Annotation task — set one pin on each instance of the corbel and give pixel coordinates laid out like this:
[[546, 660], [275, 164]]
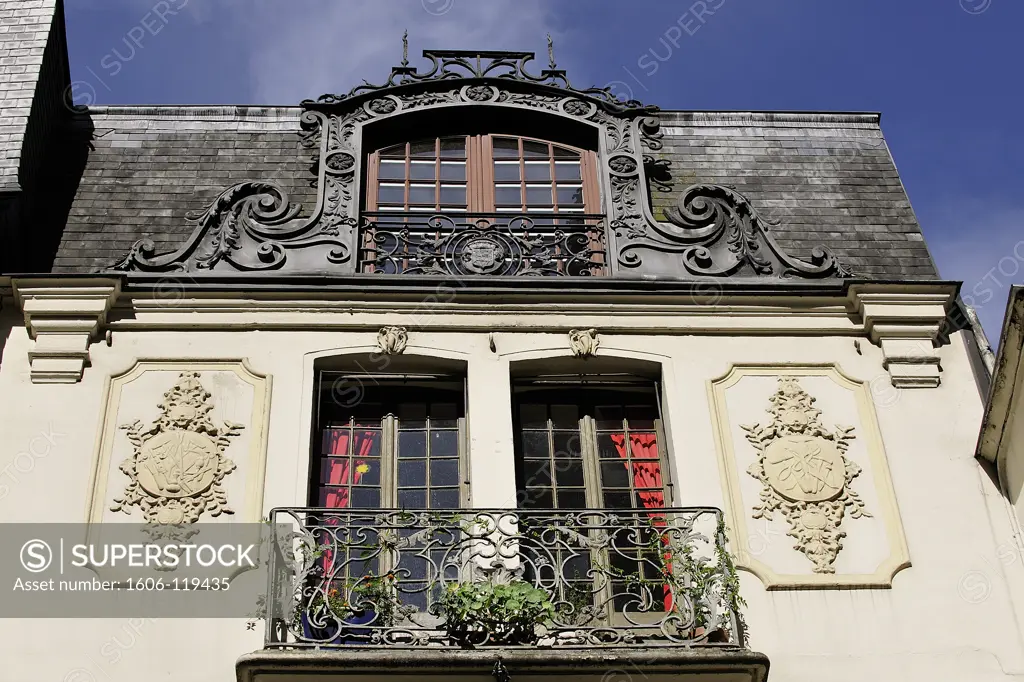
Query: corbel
[[63, 317], [906, 323]]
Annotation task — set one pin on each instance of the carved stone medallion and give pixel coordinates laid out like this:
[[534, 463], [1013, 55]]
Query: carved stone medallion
[[392, 340], [584, 342], [178, 464], [805, 474]]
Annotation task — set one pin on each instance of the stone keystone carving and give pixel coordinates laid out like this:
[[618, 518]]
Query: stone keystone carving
[[583, 342], [179, 465], [805, 474], [392, 340]]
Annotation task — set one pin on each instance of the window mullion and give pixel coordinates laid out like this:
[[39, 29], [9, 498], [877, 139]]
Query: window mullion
[[389, 462], [591, 466]]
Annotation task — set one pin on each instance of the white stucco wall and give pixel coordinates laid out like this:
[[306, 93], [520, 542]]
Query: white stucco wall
[[949, 616]]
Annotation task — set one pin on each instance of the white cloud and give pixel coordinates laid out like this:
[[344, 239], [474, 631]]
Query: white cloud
[[304, 48]]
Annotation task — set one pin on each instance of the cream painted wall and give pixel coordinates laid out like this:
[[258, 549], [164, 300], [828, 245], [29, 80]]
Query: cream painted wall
[[949, 616]]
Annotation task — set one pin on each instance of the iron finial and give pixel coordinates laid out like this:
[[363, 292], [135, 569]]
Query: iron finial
[[551, 52], [405, 48], [500, 672]]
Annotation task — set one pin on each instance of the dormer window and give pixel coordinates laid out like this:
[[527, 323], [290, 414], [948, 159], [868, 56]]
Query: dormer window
[[483, 205], [483, 173]]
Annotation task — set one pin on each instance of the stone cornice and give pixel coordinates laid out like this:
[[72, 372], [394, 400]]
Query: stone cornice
[[906, 324], [63, 317]]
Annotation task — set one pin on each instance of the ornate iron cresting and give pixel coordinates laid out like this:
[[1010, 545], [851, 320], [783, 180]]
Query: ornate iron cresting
[[658, 577], [718, 232], [447, 65], [252, 226], [483, 244]]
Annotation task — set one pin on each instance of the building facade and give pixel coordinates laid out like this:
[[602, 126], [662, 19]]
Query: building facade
[[556, 384]]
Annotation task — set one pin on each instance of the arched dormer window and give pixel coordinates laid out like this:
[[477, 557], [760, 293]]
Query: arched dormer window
[[483, 204]]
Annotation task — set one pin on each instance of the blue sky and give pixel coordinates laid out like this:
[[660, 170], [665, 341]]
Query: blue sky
[[946, 75]]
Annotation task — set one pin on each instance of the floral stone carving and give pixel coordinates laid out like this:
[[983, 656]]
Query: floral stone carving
[[583, 342], [179, 465], [805, 474], [392, 340]]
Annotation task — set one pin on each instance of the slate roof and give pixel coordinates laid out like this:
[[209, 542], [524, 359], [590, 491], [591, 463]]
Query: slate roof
[[828, 178]]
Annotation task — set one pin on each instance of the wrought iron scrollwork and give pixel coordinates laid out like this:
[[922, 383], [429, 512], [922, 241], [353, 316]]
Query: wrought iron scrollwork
[[483, 244], [652, 577], [253, 226], [718, 232]]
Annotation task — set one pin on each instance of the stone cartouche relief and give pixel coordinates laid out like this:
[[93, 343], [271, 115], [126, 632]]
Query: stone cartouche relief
[[182, 442], [811, 503], [584, 342], [178, 465], [805, 473]]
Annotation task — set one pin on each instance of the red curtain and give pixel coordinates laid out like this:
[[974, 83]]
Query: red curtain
[[645, 467], [342, 470]]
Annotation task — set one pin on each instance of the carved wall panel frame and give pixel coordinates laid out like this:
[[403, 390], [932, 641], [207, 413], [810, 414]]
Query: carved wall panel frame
[[712, 232], [741, 518], [182, 411]]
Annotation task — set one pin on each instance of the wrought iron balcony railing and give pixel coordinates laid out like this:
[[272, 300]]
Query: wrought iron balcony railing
[[465, 244], [570, 578]]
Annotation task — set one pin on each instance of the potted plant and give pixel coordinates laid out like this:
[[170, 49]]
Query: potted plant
[[495, 613], [330, 617]]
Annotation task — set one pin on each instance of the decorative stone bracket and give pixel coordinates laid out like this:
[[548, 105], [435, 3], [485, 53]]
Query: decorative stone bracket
[[63, 317], [906, 325]]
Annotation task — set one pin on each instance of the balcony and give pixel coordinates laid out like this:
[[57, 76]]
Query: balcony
[[495, 244], [503, 592]]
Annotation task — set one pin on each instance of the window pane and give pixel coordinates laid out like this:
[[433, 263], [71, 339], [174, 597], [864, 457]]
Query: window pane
[[538, 170], [569, 473], [446, 498], [453, 194], [412, 472], [444, 444], [535, 444], [563, 153], [397, 150], [567, 445], [412, 499], [538, 498], [412, 444], [572, 499], [508, 194], [506, 170], [453, 147], [535, 149], [570, 195], [391, 194], [421, 170], [506, 147], [618, 500], [567, 170], [453, 170], [540, 195], [421, 194], [615, 474], [444, 472], [423, 149], [366, 498], [536, 473], [392, 170]]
